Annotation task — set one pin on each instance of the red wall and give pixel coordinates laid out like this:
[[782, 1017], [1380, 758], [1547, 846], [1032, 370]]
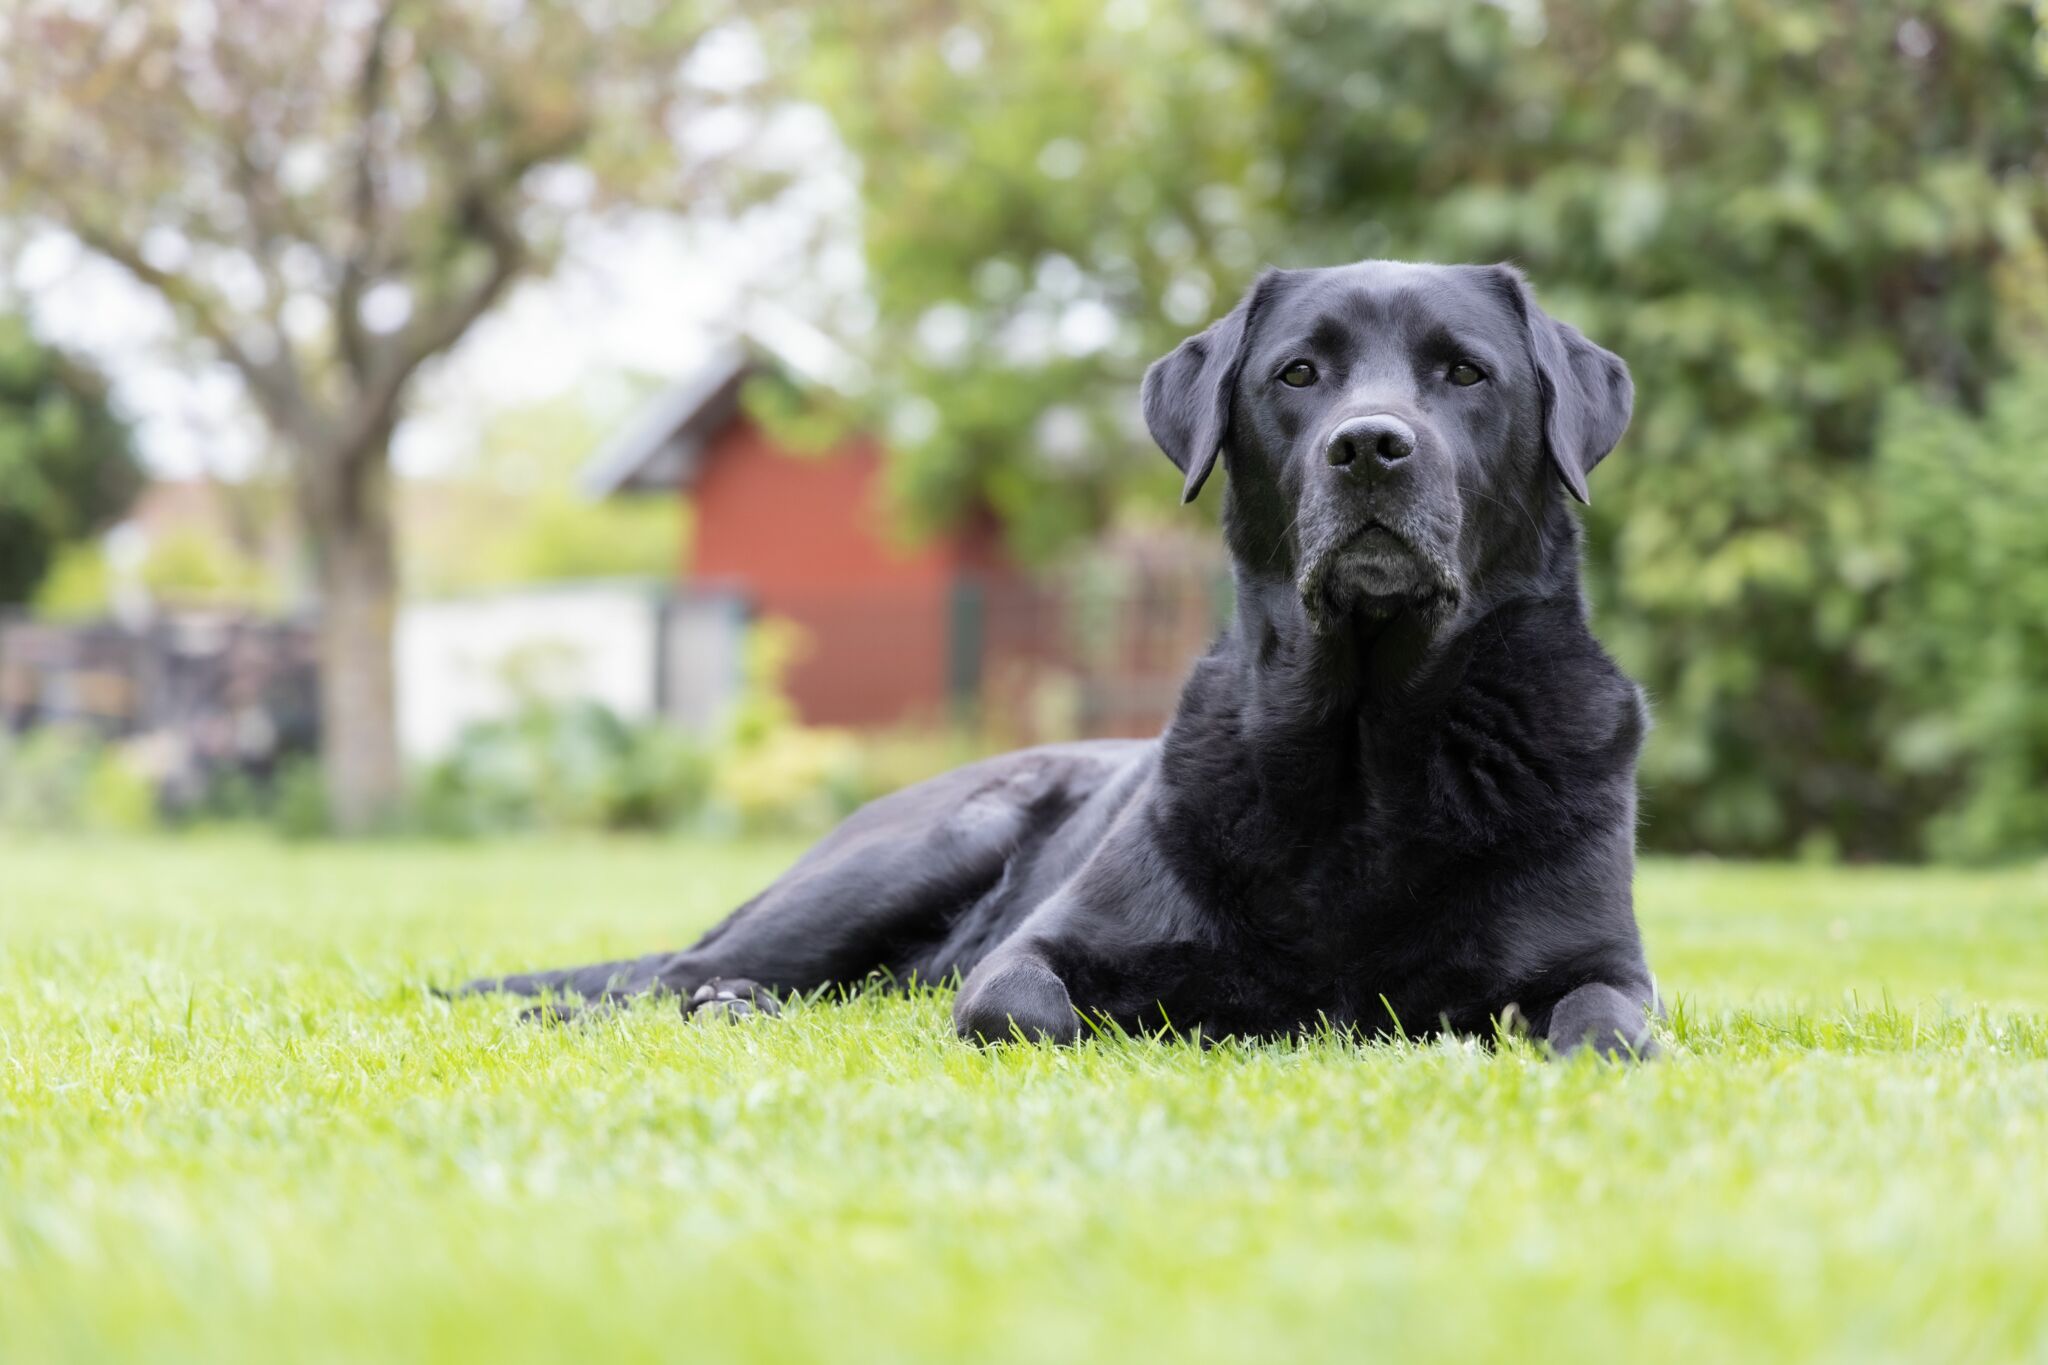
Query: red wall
[[804, 539]]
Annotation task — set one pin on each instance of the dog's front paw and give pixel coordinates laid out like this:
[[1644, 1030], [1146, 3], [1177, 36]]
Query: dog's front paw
[[732, 998], [1602, 1019], [1002, 1001]]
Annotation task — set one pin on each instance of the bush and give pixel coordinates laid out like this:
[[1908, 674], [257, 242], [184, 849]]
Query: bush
[[62, 778], [563, 766], [66, 465], [792, 779], [1961, 635], [578, 766], [299, 800]]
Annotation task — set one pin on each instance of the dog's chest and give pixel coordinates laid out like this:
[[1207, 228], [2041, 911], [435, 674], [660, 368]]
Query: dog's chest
[[1369, 924]]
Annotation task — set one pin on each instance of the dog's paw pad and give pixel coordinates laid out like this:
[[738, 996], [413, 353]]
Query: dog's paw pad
[[736, 998]]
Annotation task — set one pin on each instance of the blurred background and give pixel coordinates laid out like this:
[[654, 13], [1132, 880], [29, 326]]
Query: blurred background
[[480, 416]]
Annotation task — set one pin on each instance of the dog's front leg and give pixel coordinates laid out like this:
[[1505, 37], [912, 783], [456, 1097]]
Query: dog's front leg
[[1014, 994], [1105, 929], [1611, 1019]]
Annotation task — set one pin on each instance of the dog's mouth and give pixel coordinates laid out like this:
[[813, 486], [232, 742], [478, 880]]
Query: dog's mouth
[[1377, 540], [1374, 572]]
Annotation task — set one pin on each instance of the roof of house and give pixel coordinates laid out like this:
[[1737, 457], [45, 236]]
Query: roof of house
[[663, 446]]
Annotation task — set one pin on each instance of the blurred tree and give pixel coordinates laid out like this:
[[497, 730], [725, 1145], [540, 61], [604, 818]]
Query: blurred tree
[[1055, 193], [66, 469], [1961, 630], [1780, 211], [328, 196]]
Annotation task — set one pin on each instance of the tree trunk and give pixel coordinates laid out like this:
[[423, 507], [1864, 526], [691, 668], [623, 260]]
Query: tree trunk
[[347, 509]]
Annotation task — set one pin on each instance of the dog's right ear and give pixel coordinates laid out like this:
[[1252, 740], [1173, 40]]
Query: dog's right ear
[[1187, 393]]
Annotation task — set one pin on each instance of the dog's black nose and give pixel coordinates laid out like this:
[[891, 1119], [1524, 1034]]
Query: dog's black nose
[[1381, 437]]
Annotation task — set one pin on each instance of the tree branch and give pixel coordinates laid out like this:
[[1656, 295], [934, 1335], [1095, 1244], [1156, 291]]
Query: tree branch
[[274, 382], [434, 332], [481, 219], [264, 216], [360, 263]]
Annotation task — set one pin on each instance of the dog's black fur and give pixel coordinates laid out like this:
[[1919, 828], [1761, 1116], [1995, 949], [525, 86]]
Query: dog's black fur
[[1397, 794]]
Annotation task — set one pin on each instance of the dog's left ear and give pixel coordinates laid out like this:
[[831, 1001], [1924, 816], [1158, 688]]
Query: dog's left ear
[[1187, 393], [1588, 396]]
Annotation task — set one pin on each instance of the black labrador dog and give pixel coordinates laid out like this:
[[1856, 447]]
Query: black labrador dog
[[1397, 795]]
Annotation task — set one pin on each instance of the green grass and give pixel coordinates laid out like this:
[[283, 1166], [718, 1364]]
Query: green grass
[[233, 1126]]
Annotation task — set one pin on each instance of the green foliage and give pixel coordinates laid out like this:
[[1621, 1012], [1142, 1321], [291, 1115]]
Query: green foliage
[[78, 585], [1962, 613], [1780, 213], [59, 779], [65, 465], [1038, 178], [299, 801], [563, 767], [579, 766], [234, 1126], [191, 568], [773, 773], [186, 568]]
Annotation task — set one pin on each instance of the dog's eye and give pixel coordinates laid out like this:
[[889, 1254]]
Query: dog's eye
[[1465, 374], [1299, 375]]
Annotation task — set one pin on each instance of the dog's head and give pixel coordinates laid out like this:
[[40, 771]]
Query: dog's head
[[1394, 433]]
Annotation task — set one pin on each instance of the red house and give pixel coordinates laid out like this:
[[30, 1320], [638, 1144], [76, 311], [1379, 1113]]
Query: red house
[[892, 631]]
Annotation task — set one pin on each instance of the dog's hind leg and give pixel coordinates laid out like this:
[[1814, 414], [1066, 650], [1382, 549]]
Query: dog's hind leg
[[836, 921], [627, 976], [921, 883], [828, 921], [720, 998], [575, 993]]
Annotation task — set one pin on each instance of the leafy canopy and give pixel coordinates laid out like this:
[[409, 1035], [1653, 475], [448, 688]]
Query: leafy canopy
[[66, 466], [1781, 212]]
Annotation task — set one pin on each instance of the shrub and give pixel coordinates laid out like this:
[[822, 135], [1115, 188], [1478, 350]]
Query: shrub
[[788, 779], [1961, 634], [563, 766], [63, 778], [578, 766]]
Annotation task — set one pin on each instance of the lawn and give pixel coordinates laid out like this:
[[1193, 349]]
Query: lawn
[[234, 1126]]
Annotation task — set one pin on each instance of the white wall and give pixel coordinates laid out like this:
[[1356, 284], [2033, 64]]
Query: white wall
[[467, 659]]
